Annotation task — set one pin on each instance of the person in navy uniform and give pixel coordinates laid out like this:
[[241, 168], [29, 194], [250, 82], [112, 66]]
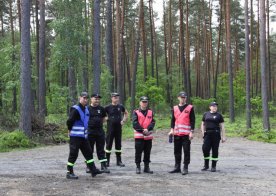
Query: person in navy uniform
[[116, 118], [96, 134], [213, 131], [77, 124]]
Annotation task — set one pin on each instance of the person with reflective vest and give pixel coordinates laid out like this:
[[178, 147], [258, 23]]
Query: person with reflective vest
[[77, 124], [213, 131], [182, 128], [143, 124], [116, 118], [96, 134]]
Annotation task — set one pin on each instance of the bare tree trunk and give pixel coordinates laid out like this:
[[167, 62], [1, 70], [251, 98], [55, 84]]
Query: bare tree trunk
[[96, 48], [182, 46], [189, 90], [247, 68], [263, 48], [19, 14], [42, 80], [268, 52], [144, 41], [37, 49], [218, 52], [229, 62], [84, 49], [135, 62], [120, 32], [14, 103], [109, 42], [25, 75], [166, 54], [151, 37]]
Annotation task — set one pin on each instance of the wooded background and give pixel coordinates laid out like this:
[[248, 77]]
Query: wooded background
[[218, 50]]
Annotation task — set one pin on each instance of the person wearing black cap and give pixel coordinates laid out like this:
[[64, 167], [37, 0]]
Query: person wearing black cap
[[212, 128], [115, 121], [96, 134], [143, 124], [77, 124], [182, 128]]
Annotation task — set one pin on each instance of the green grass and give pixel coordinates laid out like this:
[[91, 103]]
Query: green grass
[[256, 133], [15, 140]]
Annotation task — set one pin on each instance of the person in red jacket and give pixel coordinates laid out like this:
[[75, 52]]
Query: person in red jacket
[[143, 124], [182, 128]]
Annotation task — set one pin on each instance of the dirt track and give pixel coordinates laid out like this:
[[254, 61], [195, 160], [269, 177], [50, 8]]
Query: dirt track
[[245, 168]]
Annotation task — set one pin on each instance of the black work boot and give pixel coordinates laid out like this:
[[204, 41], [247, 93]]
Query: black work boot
[[206, 165], [104, 168], [214, 164], [176, 169], [94, 170], [185, 170], [108, 159], [119, 161], [70, 173], [147, 169], [138, 168]]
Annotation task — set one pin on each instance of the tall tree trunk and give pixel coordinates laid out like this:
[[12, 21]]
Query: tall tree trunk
[[189, 90], [218, 52], [170, 52], [25, 74], [268, 53], [135, 62], [109, 42], [166, 53], [37, 50], [151, 37], [182, 45], [263, 48], [120, 32], [14, 104], [247, 68], [84, 49], [144, 41], [229, 62], [42, 80], [19, 14], [96, 48]]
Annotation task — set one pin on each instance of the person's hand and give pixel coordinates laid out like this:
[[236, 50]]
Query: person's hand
[[223, 140], [191, 136], [145, 131], [171, 132]]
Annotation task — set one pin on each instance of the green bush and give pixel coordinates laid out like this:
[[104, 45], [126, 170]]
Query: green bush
[[15, 139]]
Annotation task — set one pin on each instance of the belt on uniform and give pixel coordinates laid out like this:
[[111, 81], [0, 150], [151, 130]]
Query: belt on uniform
[[212, 131]]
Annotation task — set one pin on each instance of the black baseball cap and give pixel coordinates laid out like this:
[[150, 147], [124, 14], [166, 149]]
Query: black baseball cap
[[213, 103], [84, 94], [96, 95], [182, 94], [144, 99], [115, 94]]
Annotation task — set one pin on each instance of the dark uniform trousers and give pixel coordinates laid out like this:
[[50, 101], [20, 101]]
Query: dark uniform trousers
[[76, 144], [211, 141], [141, 146], [100, 142], [114, 131], [179, 143]]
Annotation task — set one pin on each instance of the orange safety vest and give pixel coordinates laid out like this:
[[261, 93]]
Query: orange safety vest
[[182, 121], [144, 121]]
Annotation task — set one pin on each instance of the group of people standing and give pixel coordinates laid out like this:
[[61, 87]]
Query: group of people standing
[[85, 126]]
